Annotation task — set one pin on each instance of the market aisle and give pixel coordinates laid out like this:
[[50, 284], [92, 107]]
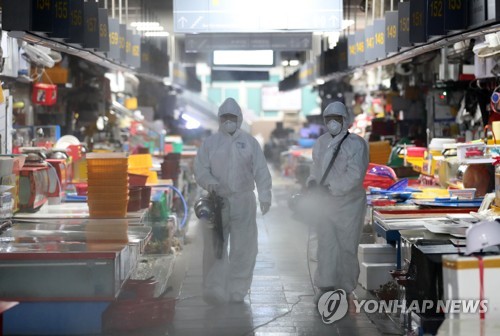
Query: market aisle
[[281, 276]]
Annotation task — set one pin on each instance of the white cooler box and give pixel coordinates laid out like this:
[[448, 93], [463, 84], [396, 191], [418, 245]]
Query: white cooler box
[[461, 281], [376, 253], [374, 275]]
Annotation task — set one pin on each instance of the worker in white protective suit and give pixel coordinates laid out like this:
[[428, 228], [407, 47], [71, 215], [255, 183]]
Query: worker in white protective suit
[[231, 163], [343, 202]]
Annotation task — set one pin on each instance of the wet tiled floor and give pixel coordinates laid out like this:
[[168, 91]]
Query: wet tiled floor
[[281, 297]]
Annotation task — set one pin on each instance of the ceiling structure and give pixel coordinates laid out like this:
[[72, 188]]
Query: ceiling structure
[[161, 11]]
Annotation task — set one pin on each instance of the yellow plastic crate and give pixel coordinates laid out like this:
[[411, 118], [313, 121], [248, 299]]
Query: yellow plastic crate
[[138, 161]]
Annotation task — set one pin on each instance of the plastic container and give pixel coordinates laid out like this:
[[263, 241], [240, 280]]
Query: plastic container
[[145, 197], [134, 203], [118, 174], [468, 193], [81, 189], [118, 189], [108, 209], [108, 182], [416, 152], [137, 179], [140, 161]]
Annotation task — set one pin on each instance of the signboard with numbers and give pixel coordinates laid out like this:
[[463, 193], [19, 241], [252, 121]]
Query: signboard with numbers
[[145, 56], [61, 18], [369, 44], [103, 30], [455, 15], [128, 47], [342, 53], [27, 15], [352, 53], [379, 32], [114, 32], [391, 32], [76, 34], [91, 25], [135, 52], [418, 21], [435, 17], [121, 42], [404, 25], [360, 47]]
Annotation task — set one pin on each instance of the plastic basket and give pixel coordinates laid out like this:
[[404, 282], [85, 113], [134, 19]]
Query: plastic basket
[[107, 209], [140, 161], [116, 189], [109, 174], [137, 179], [108, 182]]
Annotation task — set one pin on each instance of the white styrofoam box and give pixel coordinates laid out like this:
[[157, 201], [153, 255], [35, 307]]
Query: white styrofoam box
[[372, 275], [461, 282], [376, 253]]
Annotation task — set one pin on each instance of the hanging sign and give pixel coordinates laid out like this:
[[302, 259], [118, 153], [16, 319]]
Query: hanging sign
[[114, 34], [352, 53], [455, 15], [391, 32], [418, 21], [435, 17], [91, 25], [103, 30], [379, 33], [360, 47], [404, 25], [76, 34], [370, 44]]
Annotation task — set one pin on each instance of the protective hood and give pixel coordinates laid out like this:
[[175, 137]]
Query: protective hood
[[230, 106], [338, 108]]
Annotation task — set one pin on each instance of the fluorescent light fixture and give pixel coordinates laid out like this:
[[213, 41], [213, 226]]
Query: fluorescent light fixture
[[191, 123], [294, 63], [146, 28], [347, 23], [320, 81], [156, 34], [284, 63], [145, 24], [243, 57]]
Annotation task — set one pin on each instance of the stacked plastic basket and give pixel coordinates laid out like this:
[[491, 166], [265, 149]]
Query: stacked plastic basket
[[107, 185]]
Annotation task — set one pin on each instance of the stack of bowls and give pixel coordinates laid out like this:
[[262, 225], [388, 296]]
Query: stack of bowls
[[107, 185]]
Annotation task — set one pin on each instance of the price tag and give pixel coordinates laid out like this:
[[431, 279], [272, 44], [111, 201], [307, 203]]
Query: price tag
[[76, 27], [379, 33], [103, 30], [435, 17], [404, 25], [91, 25], [352, 52], [455, 15], [114, 33], [418, 21], [128, 48], [391, 32], [360, 47], [369, 44], [135, 60]]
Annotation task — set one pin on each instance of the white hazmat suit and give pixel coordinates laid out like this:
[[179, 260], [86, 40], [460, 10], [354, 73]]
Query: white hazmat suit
[[232, 165], [340, 222]]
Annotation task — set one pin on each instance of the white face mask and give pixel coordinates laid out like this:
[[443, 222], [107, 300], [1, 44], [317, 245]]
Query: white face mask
[[334, 127], [229, 126]]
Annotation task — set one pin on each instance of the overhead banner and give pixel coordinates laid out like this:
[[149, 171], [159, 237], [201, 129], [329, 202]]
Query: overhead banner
[[61, 18], [103, 30], [391, 32], [379, 32], [257, 15], [76, 22], [91, 25], [263, 41], [121, 42]]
